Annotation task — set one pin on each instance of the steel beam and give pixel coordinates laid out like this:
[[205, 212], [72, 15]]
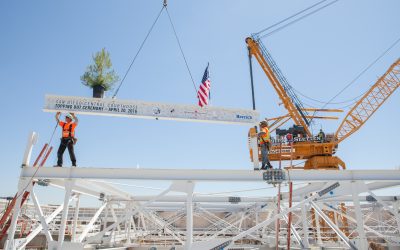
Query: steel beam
[[331, 224], [32, 139], [246, 200], [61, 234], [91, 223], [149, 110], [41, 217], [39, 228], [208, 175], [24, 184], [189, 214], [76, 214]]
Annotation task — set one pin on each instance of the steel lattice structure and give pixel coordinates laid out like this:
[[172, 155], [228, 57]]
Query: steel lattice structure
[[335, 209]]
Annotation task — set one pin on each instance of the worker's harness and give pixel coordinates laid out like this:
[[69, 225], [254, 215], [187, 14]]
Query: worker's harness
[[267, 143], [70, 137]]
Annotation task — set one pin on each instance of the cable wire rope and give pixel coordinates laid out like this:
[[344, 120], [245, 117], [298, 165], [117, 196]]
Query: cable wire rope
[[137, 53]]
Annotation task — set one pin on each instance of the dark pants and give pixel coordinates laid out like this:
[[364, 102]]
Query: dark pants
[[66, 143]]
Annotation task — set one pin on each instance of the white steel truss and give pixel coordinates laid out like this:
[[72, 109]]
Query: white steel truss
[[333, 209]]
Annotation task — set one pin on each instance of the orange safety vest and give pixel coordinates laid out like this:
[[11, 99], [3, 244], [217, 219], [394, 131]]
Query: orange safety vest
[[264, 138], [68, 129]]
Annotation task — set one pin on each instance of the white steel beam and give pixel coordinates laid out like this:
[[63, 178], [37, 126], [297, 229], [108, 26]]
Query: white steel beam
[[76, 214], [305, 226], [128, 224], [189, 214], [244, 199], [91, 223], [149, 110], [39, 228], [24, 184], [294, 231], [60, 183], [277, 216], [115, 218], [93, 188], [318, 227], [32, 139], [396, 207], [41, 217], [99, 235], [61, 234], [208, 175], [389, 238], [361, 240], [160, 222], [333, 225]]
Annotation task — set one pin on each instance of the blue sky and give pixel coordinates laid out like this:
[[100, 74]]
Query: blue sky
[[46, 46]]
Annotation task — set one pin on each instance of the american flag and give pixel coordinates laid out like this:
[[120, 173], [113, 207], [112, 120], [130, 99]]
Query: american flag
[[204, 91]]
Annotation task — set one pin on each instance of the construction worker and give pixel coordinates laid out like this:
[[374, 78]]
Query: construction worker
[[68, 138], [264, 139], [321, 136]]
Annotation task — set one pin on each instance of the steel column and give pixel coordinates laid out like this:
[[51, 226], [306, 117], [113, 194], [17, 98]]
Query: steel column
[[61, 234], [305, 226], [75, 223], [189, 215], [23, 184], [361, 240]]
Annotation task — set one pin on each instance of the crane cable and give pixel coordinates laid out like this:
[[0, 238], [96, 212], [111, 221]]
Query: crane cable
[[296, 20], [137, 53], [288, 18], [180, 48], [144, 41], [359, 75], [351, 101]]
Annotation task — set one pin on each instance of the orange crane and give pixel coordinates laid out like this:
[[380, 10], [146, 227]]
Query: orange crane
[[318, 154]]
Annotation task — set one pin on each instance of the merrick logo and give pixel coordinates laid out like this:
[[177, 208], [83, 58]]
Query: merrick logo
[[245, 117]]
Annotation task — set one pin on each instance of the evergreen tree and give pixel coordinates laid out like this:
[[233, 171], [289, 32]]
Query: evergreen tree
[[100, 72]]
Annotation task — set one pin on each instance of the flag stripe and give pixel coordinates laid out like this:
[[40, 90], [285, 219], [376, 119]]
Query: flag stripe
[[203, 93]]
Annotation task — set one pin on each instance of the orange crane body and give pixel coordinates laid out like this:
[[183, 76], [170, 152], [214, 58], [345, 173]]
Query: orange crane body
[[320, 154]]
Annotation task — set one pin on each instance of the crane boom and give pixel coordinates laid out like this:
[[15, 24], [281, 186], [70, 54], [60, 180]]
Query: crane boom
[[279, 82], [370, 102]]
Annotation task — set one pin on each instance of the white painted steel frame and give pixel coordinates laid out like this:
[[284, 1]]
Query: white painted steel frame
[[207, 175], [143, 218]]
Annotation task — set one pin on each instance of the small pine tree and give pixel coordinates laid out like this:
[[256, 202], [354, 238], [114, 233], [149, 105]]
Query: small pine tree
[[100, 72]]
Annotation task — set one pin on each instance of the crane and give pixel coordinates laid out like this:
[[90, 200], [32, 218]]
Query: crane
[[318, 154]]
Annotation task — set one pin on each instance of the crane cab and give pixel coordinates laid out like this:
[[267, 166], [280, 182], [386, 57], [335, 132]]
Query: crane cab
[[293, 144]]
